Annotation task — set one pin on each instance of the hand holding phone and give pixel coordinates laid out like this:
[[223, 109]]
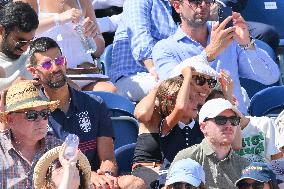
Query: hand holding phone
[[223, 13]]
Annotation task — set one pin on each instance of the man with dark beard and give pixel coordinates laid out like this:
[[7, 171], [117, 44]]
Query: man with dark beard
[[78, 113], [218, 120], [231, 48], [18, 23]]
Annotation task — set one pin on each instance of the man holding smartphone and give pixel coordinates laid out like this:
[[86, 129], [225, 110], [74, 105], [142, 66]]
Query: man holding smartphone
[[231, 49]]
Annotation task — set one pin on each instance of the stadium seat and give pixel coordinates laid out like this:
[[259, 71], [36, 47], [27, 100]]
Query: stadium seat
[[252, 86], [117, 104], [267, 102], [125, 130], [106, 59], [124, 157]]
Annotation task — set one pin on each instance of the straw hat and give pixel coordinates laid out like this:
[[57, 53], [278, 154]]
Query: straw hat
[[41, 168], [24, 95]]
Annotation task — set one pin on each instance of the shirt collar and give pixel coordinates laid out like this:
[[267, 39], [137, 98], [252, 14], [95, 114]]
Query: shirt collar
[[190, 125], [208, 150], [179, 35]]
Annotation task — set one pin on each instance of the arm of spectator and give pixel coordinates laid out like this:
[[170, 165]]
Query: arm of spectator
[[164, 61], [181, 105], [103, 4], [108, 24], [138, 23], [150, 67], [91, 27]]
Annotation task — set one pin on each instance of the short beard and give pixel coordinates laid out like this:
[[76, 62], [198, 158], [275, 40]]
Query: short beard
[[6, 49], [58, 84], [194, 23]]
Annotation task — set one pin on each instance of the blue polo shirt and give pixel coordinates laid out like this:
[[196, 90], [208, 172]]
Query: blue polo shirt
[[87, 117]]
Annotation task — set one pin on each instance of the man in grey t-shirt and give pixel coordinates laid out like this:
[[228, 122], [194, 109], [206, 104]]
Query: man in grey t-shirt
[[218, 120]]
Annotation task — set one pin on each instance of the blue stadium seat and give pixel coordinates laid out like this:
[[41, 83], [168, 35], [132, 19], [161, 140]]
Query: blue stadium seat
[[106, 59], [268, 12], [125, 130], [269, 101], [252, 86], [117, 104], [124, 157]]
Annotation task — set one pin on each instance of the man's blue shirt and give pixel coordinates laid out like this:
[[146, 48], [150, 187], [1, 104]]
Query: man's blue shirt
[[142, 25], [87, 117], [251, 64]]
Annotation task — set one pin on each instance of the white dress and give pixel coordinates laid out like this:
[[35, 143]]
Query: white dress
[[67, 39]]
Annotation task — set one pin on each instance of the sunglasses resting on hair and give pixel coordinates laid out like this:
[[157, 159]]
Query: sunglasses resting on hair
[[222, 120], [59, 61], [32, 115], [201, 80]]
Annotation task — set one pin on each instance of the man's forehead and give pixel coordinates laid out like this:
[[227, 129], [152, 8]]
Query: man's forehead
[[227, 112]]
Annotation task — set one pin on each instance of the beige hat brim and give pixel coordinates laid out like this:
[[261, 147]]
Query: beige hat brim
[[52, 105], [46, 160]]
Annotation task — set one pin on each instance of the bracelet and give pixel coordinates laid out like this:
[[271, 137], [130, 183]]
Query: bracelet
[[247, 46], [109, 173]]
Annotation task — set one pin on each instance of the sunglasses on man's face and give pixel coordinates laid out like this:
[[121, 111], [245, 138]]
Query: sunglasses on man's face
[[222, 120], [32, 115], [255, 185], [181, 185], [201, 80], [59, 61]]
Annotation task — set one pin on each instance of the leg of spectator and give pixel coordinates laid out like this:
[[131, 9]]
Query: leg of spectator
[[100, 86], [130, 182], [135, 87], [265, 33]]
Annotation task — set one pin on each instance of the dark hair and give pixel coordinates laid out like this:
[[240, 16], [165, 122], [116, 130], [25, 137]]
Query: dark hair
[[41, 44], [215, 93], [167, 94], [18, 15]]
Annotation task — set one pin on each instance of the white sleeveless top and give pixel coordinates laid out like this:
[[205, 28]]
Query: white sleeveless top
[[67, 39]]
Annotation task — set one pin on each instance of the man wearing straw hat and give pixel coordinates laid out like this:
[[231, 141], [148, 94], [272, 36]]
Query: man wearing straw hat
[[24, 141], [78, 113]]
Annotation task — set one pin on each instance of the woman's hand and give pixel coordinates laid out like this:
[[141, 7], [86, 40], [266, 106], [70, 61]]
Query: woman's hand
[[90, 28], [72, 15]]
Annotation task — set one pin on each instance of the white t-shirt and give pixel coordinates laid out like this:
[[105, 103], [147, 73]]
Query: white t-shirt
[[279, 130], [258, 140], [11, 69]]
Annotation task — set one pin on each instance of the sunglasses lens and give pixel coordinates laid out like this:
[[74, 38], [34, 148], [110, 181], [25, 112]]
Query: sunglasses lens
[[235, 121], [59, 61], [45, 113], [212, 82], [31, 115], [200, 80], [220, 120], [47, 65], [255, 185]]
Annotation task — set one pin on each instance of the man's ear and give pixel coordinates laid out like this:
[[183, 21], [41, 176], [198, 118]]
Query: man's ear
[[32, 70], [2, 30], [203, 127], [176, 5]]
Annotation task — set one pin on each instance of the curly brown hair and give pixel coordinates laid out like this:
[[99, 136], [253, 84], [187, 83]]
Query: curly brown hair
[[167, 94]]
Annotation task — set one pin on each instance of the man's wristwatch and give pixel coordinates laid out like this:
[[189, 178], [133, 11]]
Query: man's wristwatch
[[249, 45]]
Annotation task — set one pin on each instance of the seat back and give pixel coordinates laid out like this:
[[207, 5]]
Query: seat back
[[125, 130], [124, 157], [267, 101], [117, 104], [106, 59], [268, 12], [252, 86]]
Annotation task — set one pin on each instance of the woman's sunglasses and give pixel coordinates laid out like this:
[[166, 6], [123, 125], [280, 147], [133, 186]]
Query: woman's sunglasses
[[59, 61], [255, 185], [201, 80], [32, 115], [222, 120]]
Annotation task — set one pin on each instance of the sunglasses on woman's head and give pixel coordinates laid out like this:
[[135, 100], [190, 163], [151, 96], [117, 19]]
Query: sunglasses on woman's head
[[255, 185], [222, 120], [32, 115], [59, 61], [201, 80]]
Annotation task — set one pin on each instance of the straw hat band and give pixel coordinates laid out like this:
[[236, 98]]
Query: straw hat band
[[22, 102]]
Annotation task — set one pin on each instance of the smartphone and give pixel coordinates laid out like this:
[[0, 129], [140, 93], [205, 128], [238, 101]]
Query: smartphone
[[223, 13]]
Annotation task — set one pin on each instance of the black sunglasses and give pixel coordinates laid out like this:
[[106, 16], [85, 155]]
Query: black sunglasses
[[32, 115], [255, 185], [201, 80], [181, 185], [199, 2], [222, 120]]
